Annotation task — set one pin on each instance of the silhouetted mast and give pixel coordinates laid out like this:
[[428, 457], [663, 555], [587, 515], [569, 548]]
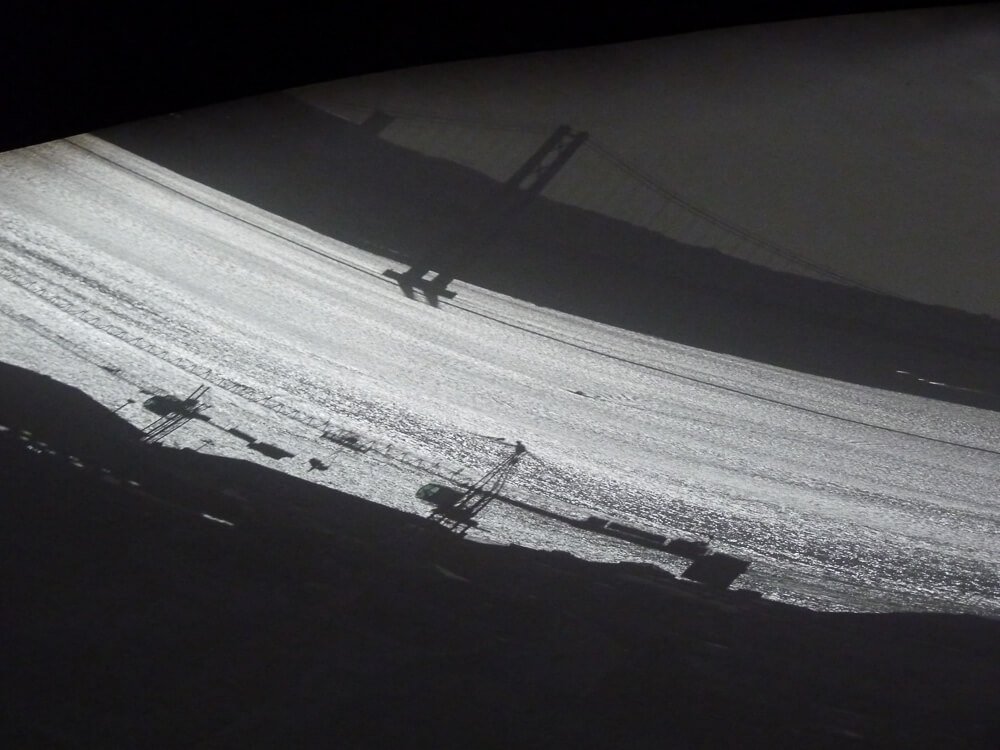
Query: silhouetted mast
[[459, 516]]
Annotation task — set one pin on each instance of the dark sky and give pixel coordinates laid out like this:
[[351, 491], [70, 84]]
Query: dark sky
[[69, 67]]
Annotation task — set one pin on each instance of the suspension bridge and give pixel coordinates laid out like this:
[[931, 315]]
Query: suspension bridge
[[574, 167]]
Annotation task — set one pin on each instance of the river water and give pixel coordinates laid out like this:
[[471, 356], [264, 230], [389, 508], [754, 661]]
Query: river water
[[117, 276]]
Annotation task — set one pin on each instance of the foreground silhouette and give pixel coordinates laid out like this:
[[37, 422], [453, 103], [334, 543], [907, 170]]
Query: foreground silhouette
[[161, 598]]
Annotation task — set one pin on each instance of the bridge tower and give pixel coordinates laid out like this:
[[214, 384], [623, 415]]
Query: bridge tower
[[484, 225], [459, 516]]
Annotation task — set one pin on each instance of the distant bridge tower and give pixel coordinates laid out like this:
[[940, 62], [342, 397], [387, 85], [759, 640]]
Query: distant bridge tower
[[530, 179]]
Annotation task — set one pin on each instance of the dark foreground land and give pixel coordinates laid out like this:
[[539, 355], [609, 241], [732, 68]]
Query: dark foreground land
[[319, 619]]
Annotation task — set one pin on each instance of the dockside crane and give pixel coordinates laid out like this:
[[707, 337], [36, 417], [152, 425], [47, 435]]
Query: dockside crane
[[178, 413], [457, 509]]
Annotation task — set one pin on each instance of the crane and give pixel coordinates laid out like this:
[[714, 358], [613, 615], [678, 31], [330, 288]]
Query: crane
[[456, 509]]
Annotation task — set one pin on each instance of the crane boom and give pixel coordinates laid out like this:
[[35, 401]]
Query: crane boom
[[459, 515]]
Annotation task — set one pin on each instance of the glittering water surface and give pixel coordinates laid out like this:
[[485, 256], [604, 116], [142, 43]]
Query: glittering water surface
[[117, 275]]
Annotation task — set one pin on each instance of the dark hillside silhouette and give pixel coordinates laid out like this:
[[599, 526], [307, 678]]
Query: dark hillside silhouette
[[162, 598]]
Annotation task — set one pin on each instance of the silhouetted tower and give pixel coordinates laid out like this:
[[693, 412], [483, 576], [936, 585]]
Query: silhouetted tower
[[485, 224], [178, 416], [460, 515]]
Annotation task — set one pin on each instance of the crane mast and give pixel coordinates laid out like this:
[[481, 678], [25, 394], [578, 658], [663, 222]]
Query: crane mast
[[460, 515]]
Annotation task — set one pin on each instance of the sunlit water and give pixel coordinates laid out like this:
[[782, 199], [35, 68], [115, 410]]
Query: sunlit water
[[118, 275]]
